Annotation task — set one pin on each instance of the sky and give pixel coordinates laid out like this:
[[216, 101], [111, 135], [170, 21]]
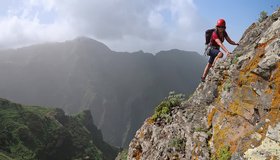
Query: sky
[[126, 25]]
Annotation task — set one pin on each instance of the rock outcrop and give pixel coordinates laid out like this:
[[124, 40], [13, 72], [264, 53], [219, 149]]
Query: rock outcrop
[[234, 115]]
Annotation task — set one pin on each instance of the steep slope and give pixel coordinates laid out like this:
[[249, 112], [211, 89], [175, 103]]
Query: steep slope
[[119, 88], [33, 132], [235, 114]]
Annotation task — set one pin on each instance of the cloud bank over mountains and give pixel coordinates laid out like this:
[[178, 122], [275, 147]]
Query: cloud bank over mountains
[[124, 25]]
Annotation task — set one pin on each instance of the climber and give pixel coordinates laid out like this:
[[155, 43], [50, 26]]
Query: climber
[[216, 42]]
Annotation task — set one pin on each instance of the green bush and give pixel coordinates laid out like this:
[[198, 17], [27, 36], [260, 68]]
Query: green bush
[[163, 110], [263, 16], [178, 143], [234, 60], [123, 154], [227, 85], [222, 154]]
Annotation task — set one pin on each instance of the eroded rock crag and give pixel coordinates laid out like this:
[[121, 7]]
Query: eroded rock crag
[[235, 114]]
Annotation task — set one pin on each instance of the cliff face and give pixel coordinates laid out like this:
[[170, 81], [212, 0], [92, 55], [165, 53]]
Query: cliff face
[[234, 114]]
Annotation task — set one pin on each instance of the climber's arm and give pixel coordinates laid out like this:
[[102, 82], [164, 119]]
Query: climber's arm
[[230, 41], [218, 41]]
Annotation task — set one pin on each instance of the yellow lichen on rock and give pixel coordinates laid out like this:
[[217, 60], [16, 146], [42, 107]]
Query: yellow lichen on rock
[[234, 124], [275, 108], [211, 116], [229, 131]]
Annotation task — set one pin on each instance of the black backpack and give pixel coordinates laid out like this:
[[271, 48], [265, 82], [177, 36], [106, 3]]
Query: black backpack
[[208, 35]]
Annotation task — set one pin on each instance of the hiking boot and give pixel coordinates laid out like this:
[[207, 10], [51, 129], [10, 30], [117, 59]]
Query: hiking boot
[[202, 79]]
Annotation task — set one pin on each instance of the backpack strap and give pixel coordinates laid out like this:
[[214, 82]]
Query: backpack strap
[[216, 31], [210, 44]]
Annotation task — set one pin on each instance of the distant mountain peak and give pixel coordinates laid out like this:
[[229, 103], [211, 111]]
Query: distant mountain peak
[[83, 73], [91, 42], [83, 38]]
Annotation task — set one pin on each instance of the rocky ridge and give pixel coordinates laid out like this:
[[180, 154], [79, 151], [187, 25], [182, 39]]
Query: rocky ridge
[[33, 132], [234, 115]]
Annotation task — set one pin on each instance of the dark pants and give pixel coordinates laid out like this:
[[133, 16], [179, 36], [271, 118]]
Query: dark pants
[[213, 54]]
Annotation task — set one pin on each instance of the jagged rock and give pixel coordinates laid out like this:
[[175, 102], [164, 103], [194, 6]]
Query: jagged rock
[[233, 115], [269, 146], [267, 64], [274, 133]]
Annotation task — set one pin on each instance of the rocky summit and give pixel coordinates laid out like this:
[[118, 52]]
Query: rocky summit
[[234, 115]]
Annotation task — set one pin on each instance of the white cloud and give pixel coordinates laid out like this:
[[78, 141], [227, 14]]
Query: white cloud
[[156, 20], [124, 25], [17, 31]]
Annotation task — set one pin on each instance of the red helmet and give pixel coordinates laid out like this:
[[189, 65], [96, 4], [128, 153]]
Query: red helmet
[[221, 23]]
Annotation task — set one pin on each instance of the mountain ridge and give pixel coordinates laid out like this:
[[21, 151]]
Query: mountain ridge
[[34, 132], [119, 88]]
